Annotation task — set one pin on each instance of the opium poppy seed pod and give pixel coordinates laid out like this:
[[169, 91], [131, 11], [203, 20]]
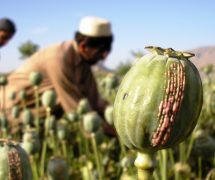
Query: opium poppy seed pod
[[27, 117], [204, 144], [83, 106], [15, 111], [109, 114], [57, 169], [23, 94], [31, 141], [183, 169], [127, 162], [49, 98], [72, 117], [62, 129], [35, 78], [50, 123], [3, 121], [14, 162], [91, 121], [159, 101], [12, 96], [99, 136], [3, 80]]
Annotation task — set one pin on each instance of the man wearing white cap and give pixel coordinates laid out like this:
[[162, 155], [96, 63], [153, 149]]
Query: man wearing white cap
[[66, 68]]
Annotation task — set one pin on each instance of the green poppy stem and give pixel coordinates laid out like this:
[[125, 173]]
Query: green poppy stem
[[190, 146], [164, 164], [43, 158], [55, 143], [37, 101], [44, 147], [99, 168], [4, 99], [199, 167], [182, 154], [64, 149], [34, 168]]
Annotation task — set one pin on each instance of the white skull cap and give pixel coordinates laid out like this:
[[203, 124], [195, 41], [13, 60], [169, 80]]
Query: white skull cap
[[95, 27]]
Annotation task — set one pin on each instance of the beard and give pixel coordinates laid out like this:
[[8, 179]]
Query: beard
[[91, 62]]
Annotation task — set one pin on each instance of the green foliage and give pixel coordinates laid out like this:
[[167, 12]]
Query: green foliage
[[27, 49], [208, 69], [137, 54], [123, 68]]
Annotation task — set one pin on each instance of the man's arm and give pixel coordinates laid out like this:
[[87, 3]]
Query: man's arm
[[99, 105], [67, 92]]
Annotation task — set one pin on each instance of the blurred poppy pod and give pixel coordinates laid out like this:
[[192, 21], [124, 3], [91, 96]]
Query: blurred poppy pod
[[4, 122], [127, 161], [31, 142], [49, 98], [3, 80], [99, 136], [35, 78], [27, 117], [22, 94], [57, 169], [91, 121], [72, 116], [83, 106], [50, 123], [15, 111], [62, 129], [12, 96], [204, 144], [109, 114]]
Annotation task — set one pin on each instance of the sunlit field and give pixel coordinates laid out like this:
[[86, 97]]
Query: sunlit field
[[74, 146]]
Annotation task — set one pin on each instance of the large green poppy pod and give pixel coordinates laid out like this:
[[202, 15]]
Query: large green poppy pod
[[159, 101], [14, 162]]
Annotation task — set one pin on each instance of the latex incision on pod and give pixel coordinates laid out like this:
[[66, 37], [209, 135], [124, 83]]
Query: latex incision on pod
[[169, 106], [14, 161]]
